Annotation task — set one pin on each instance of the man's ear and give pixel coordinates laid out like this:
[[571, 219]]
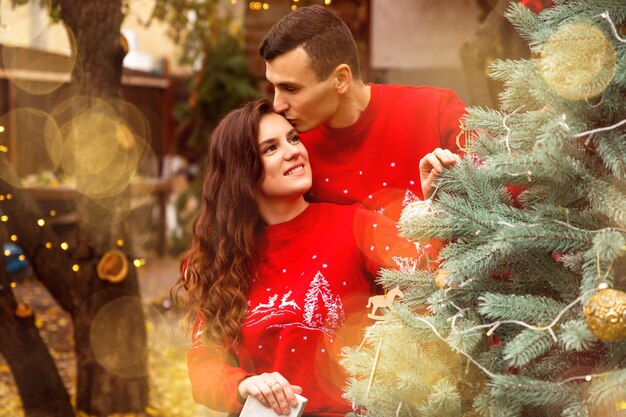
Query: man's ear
[[343, 78]]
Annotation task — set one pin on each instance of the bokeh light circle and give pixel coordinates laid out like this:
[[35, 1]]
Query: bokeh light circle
[[33, 141], [34, 71], [578, 61], [114, 347]]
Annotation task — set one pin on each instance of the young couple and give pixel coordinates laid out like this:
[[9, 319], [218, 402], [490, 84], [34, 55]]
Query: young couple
[[280, 284]]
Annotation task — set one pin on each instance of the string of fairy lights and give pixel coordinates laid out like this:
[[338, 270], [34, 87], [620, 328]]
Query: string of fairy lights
[[262, 5]]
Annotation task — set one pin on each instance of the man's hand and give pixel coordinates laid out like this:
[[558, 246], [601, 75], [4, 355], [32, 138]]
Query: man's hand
[[431, 165], [271, 390]]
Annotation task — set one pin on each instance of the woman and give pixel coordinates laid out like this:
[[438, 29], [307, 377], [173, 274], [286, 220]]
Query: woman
[[280, 284]]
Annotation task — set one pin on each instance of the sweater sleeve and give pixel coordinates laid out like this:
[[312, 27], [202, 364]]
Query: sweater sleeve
[[451, 114], [382, 247], [214, 374]]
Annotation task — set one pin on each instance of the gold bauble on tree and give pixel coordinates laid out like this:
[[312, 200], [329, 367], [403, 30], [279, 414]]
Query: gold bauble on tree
[[605, 314], [441, 279], [578, 61]]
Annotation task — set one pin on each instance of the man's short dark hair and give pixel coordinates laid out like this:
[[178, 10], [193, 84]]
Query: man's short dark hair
[[321, 33]]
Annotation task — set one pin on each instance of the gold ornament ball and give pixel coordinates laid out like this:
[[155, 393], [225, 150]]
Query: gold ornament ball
[[440, 279], [605, 314], [578, 61]]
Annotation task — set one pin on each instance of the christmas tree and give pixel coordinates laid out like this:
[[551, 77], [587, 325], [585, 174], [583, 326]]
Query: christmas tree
[[527, 314]]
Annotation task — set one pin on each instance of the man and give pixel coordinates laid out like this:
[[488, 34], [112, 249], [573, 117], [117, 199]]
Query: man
[[365, 140]]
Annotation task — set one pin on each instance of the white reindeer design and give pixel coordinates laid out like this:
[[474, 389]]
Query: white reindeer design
[[270, 303], [284, 302]]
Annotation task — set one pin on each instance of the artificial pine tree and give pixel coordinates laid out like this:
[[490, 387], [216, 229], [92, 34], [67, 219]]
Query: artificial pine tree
[[527, 314]]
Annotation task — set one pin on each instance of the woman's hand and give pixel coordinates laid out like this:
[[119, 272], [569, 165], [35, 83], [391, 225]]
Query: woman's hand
[[272, 390]]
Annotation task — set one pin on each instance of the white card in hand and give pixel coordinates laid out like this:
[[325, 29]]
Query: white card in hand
[[253, 408]]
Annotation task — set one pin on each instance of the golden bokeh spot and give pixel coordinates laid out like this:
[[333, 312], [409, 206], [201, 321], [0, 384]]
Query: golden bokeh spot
[[9, 196], [13, 284], [53, 213], [30, 70], [4, 149], [114, 347], [14, 238], [41, 222], [578, 61], [137, 263], [4, 218], [48, 245], [75, 267], [37, 143], [1, 197], [64, 246], [120, 242], [1, 129], [7, 252], [21, 257]]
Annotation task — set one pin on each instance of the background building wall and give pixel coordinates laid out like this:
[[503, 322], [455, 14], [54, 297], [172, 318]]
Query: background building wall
[[417, 42]]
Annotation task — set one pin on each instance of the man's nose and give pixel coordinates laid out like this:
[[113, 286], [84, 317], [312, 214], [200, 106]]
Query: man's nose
[[279, 104]]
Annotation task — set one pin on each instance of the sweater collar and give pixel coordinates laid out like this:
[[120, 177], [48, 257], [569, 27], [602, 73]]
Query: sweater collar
[[289, 227], [353, 131]]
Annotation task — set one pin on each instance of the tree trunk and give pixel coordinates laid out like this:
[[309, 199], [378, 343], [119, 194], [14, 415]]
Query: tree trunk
[[38, 382], [110, 335], [477, 53]]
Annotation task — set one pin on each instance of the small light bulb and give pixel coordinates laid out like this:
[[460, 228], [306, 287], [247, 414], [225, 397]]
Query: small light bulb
[[137, 263], [21, 257], [14, 238], [120, 242], [1, 129], [48, 245], [603, 286], [294, 7], [4, 218], [266, 6], [53, 213], [64, 246], [41, 222], [327, 2], [4, 149], [1, 197], [588, 378], [7, 252], [13, 284], [75, 267], [9, 196]]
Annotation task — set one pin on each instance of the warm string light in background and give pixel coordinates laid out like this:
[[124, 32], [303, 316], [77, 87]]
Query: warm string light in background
[[258, 5], [3, 148]]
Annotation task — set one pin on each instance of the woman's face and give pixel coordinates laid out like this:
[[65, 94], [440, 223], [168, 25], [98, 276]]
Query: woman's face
[[286, 169]]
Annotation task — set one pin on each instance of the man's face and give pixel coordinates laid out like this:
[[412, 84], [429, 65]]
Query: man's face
[[305, 101]]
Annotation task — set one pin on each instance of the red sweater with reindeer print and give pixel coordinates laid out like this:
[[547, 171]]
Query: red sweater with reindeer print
[[307, 299]]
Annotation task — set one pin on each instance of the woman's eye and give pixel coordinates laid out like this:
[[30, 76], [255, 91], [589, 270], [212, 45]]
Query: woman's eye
[[269, 148], [294, 139]]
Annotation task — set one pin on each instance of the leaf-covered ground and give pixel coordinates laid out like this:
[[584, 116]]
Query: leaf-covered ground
[[170, 392]]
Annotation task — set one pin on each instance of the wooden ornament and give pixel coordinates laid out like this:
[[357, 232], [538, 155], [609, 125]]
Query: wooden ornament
[[605, 314], [23, 310], [113, 266], [441, 279], [383, 301]]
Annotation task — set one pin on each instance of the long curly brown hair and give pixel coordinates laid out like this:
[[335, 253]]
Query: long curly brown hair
[[223, 247]]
